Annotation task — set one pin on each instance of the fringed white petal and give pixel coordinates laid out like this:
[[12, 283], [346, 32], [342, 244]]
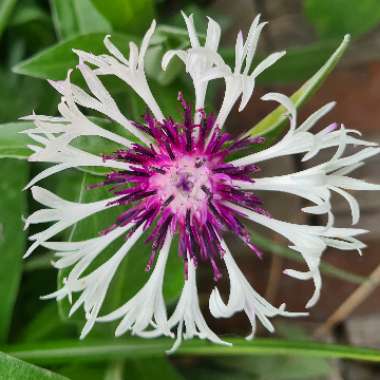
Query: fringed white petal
[[58, 151], [315, 184], [198, 59], [241, 82], [187, 316], [131, 70], [63, 212], [94, 286], [147, 307], [300, 140], [243, 297], [309, 241]]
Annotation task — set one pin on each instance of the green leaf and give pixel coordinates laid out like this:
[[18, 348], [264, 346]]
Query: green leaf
[[12, 237], [82, 372], [13, 144], [154, 368], [338, 17], [46, 324], [73, 17], [274, 123], [55, 61], [6, 9], [59, 352], [15, 369], [28, 14], [127, 15]]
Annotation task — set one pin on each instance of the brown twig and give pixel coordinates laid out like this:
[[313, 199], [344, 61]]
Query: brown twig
[[275, 273], [351, 303]]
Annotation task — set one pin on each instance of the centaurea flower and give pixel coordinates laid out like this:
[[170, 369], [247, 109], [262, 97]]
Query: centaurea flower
[[180, 179]]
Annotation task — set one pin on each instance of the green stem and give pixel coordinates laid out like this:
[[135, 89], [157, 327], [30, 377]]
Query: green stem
[[61, 352]]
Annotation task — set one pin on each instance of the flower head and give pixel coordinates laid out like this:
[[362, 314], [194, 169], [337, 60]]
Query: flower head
[[180, 178]]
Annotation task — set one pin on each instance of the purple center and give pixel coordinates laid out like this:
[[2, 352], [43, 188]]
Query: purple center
[[182, 182]]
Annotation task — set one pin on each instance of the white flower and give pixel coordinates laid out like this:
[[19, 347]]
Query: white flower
[[178, 180]]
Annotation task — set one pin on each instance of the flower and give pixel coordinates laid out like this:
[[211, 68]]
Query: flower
[[181, 179]]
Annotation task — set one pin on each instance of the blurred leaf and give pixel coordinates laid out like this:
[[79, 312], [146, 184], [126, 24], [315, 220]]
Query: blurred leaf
[[82, 372], [154, 368], [55, 61], [46, 325], [71, 351], [132, 16], [278, 367], [15, 369], [73, 17], [6, 9], [29, 13], [13, 144], [274, 123], [23, 96], [12, 237], [338, 17]]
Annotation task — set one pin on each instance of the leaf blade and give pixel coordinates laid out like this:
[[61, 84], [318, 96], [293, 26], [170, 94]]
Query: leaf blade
[[12, 368], [59, 352], [13, 205], [122, 14]]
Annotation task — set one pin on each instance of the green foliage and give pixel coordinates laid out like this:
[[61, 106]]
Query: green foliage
[[72, 17], [74, 351], [338, 17], [132, 16], [6, 9], [12, 368], [12, 237]]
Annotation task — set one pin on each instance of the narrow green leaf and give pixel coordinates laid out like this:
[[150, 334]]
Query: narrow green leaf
[[59, 352], [15, 369], [127, 15], [73, 17], [12, 237], [272, 125], [6, 9], [338, 17]]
